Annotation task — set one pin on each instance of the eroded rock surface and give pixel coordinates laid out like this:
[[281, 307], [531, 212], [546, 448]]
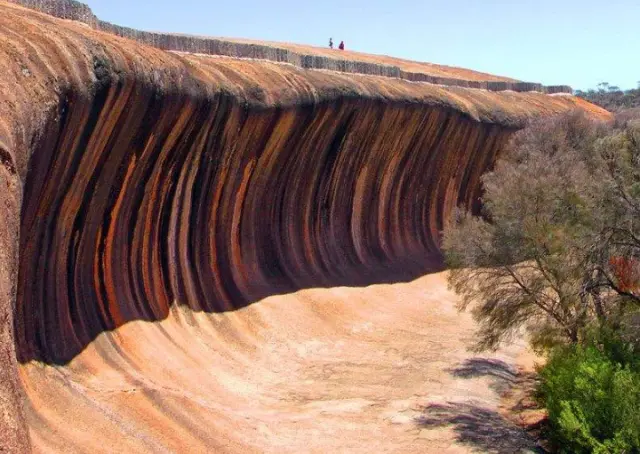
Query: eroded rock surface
[[141, 182], [382, 368]]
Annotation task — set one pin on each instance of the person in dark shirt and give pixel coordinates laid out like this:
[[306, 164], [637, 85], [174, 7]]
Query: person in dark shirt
[[341, 46], [331, 43]]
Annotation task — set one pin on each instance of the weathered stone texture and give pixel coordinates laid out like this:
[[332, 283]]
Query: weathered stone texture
[[134, 179]]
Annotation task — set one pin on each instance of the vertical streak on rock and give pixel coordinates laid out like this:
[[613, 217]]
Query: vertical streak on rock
[[164, 179], [14, 437], [137, 199]]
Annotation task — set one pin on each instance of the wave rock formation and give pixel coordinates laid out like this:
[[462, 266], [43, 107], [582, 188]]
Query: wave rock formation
[[135, 180]]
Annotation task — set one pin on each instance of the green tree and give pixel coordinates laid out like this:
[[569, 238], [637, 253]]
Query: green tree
[[612, 97], [592, 394]]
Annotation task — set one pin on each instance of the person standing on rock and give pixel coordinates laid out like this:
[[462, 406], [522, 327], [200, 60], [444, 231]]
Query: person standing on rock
[[341, 46], [331, 43]]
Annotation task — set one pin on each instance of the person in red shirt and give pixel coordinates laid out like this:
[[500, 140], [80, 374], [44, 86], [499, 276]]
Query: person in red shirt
[[341, 46]]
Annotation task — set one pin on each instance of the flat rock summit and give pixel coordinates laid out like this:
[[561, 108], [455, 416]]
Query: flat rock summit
[[217, 245]]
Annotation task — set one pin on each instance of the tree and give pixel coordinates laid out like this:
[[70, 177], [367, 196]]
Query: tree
[[559, 205], [611, 97], [592, 395]]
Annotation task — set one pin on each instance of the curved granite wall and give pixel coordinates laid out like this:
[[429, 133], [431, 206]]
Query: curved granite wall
[[206, 203], [134, 179]]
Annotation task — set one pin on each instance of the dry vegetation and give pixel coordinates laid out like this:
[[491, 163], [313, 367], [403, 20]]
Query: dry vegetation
[[558, 251]]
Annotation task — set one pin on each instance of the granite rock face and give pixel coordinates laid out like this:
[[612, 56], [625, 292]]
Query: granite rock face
[[200, 201], [137, 180], [354, 63]]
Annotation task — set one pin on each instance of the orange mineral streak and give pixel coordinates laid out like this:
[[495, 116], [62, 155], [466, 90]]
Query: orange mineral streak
[[178, 231], [626, 271]]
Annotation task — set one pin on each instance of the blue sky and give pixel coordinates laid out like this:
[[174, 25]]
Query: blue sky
[[574, 42]]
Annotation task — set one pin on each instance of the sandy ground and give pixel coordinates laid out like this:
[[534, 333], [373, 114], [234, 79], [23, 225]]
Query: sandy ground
[[383, 368]]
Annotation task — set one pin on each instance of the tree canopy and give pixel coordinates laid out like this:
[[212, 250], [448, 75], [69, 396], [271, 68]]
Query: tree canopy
[[557, 248], [612, 97]]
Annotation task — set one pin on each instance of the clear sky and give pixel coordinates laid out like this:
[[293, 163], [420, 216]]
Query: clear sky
[[574, 42]]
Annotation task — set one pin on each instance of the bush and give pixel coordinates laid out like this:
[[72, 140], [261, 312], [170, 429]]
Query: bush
[[558, 248], [592, 394], [611, 97], [557, 251]]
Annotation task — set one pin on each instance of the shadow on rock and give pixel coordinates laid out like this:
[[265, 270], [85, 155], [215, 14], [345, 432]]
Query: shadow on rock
[[503, 375], [483, 429]]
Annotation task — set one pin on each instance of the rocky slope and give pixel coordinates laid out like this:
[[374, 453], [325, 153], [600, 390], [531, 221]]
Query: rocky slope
[[301, 56], [138, 180], [382, 368]]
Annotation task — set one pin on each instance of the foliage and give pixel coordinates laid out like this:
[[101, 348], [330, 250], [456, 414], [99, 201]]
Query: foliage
[[592, 394], [611, 97], [560, 225]]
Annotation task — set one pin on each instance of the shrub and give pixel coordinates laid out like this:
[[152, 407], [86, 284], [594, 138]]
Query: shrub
[[592, 394], [611, 97], [558, 248], [557, 251]]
